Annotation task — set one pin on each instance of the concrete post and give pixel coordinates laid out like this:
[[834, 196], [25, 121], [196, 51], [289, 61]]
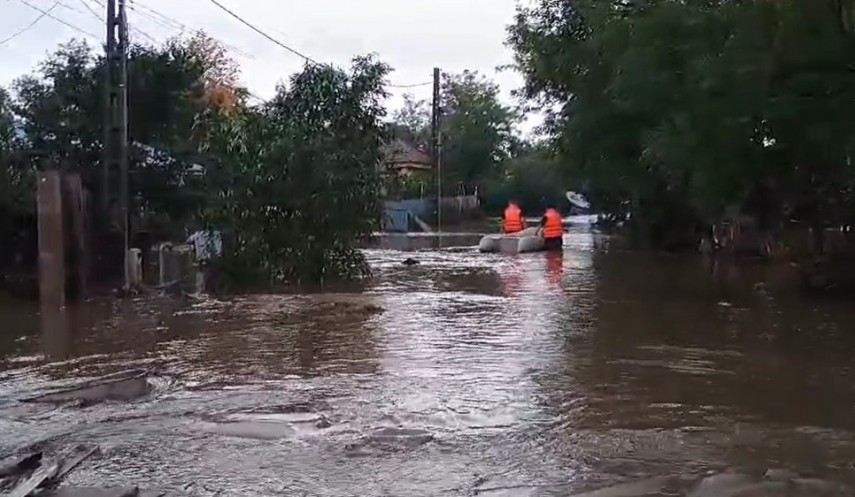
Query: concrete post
[[165, 258], [75, 212], [51, 250], [135, 272]]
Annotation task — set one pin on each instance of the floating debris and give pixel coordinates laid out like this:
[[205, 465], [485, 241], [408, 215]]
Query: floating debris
[[33, 477], [32, 473], [123, 387]]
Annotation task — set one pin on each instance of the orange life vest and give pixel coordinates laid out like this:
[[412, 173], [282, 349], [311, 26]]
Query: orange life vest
[[554, 226], [513, 221]]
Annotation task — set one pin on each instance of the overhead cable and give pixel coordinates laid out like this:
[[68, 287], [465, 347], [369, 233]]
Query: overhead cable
[[28, 26], [47, 13]]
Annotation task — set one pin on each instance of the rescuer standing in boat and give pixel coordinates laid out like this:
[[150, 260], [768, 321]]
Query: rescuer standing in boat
[[552, 229], [512, 221]]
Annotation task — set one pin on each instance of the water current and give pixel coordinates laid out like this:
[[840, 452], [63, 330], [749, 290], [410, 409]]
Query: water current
[[466, 374]]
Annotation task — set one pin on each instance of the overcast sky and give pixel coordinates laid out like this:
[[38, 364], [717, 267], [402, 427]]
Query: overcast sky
[[413, 36]]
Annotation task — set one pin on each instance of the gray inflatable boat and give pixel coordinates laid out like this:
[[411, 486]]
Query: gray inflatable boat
[[527, 240]]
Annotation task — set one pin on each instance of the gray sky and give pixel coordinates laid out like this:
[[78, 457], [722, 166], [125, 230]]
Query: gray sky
[[413, 36]]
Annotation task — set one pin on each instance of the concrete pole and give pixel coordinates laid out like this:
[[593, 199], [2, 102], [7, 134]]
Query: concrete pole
[[51, 250], [78, 265], [110, 98], [435, 145], [123, 141]]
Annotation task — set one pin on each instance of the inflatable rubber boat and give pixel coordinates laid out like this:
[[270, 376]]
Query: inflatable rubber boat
[[526, 240]]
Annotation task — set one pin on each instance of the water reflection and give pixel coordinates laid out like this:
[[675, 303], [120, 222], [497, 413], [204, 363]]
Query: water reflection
[[59, 327], [555, 267]]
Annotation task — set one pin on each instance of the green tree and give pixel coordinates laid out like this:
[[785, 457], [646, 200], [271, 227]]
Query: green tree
[[411, 122], [60, 110], [53, 118], [684, 112], [295, 183], [17, 192], [477, 130]]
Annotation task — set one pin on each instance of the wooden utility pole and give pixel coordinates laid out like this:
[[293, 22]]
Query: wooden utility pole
[[116, 125], [435, 145]]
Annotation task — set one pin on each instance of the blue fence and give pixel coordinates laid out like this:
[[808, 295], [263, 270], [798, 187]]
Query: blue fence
[[422, 207], [396, 220], [396, 216], [397, 213]]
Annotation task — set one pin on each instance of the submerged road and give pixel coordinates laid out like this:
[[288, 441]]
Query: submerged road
[[466, 374]]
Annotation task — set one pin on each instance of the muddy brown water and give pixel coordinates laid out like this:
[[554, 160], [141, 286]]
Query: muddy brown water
[[468, 374]]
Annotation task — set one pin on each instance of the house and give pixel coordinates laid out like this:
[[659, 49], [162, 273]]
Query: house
[[405, 159]]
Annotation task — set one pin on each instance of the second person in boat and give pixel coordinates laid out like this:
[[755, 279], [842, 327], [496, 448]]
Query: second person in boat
[[552, 229]]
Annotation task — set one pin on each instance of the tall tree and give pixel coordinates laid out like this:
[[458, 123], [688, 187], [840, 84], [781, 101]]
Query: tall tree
[[295, 184], [60, 109], [477, 129], [412, 122], [683, 112], [17, 193]]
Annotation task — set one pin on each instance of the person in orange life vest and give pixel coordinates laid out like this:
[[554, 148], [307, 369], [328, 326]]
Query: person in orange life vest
[[552, 229], [512, 221]]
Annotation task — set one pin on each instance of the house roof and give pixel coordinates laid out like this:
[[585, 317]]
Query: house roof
[[399, 152]]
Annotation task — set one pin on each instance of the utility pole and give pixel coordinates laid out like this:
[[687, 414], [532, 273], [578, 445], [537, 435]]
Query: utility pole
[[436, 146], [116, 127], [110, 97], [123, 140]]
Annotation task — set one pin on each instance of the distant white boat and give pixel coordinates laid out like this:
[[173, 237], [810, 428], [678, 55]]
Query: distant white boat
[[578, 200], [582, 219]]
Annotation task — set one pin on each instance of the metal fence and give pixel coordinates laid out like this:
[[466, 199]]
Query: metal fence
[[396, 220], [397, 213]]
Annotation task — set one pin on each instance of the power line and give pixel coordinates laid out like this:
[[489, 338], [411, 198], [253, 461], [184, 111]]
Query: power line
[[90, 9], [57, 19], [262, 33], [72, 8], [416, 85], [28, 26], [295, 52], [155, 20], [92, 12], [100, 19], [141, 32], [97, 16], [170, 23], [158, 17]]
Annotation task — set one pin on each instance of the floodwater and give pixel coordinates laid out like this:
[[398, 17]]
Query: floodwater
[[468, 374]]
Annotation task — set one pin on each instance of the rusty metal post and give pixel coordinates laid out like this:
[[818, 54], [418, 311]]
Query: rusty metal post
[[51, 250]]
